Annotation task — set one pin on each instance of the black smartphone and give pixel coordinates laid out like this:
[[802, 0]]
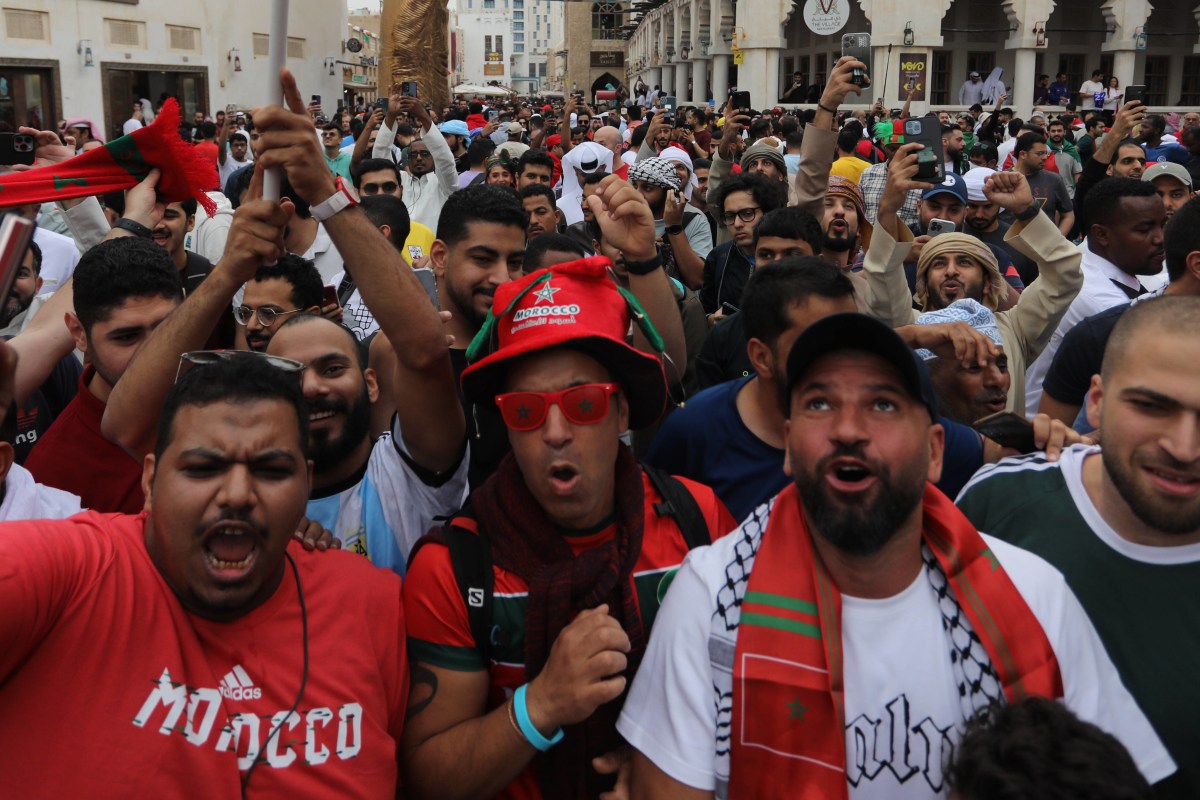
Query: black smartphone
[[408, 88], [1135, 92], [858, 47], [740, 102], [316, 98], [1008, 430], [16, 148], [930, 161], [16, 232], [729, 308], [329, 296], [427, 279], [382, 104], [669, 102]]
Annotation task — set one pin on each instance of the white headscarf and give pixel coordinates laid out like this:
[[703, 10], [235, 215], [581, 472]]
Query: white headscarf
[[680, 156], [147, 111], [572, 190]]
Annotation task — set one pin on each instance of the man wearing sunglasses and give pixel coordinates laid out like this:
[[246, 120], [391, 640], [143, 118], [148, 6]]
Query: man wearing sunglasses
[[579, 537], [290, 286], [377, 496]]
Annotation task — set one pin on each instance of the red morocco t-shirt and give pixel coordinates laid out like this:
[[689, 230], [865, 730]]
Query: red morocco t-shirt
[[109, 688]]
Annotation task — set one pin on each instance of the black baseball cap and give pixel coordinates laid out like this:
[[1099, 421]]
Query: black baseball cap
[[866, 334]]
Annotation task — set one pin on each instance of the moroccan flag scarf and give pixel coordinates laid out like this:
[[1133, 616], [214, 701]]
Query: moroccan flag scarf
[[788, 701], [121, 164]]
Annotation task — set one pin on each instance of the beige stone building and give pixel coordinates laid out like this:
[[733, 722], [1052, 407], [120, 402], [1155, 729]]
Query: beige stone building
[[592, 53], [690, 46]]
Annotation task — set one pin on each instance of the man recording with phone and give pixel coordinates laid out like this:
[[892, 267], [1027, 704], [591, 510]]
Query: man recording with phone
[[431, 175]]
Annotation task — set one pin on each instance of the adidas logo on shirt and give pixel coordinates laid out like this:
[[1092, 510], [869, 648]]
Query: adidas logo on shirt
[[236, 685]]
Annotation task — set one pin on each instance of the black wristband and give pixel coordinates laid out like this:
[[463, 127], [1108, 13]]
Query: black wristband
[[1028, 213], [672, 230], [644, 267], [134, 227], [830, 110]]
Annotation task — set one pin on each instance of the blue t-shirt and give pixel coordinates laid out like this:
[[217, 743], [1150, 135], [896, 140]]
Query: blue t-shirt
[[708, 442], [1176, 154]]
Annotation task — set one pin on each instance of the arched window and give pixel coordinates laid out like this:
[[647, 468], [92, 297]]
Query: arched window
[[606, 19]]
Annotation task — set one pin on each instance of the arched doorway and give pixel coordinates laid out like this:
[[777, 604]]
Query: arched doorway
[[605, 82]]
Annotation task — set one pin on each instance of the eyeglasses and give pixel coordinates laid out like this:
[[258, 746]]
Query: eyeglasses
[[203, 358], [266, 315], [745, 215], [419, 154], [375, 188], [582, 405], [331, 133]]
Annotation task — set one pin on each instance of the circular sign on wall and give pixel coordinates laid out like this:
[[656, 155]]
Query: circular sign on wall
[[354, 45], [824, 17]]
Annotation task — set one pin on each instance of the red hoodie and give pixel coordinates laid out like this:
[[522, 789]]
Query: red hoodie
[[476, 121]]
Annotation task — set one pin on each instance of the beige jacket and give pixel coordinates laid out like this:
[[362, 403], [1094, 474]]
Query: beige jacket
[[1026, 328]]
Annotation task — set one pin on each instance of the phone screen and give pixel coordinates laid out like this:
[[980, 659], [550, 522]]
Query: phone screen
[[16, 232]]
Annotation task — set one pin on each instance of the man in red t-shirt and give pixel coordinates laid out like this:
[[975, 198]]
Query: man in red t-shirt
[[577, 537], [194, 649], [123, 288]]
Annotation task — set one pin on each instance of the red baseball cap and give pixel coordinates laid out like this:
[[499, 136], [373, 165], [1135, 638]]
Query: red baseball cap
[[547, 107], [575, 305], [553, 140]]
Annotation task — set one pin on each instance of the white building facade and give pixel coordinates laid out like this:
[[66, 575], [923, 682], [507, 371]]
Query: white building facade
[[507, 41], [691, 47], [93, 58]]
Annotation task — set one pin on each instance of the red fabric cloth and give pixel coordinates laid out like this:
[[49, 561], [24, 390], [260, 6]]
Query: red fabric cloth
[[120, 165], [74, 456], [476, 121], [788, 707], [101, 665]]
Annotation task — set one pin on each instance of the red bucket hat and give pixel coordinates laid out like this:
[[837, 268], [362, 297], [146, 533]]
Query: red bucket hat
[[576, 305]]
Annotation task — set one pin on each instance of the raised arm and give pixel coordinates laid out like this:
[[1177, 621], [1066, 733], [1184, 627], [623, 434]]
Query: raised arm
[[255, 237], [364, 136], [887, 294], [223, 136], [627, 223], [819, 145], [430, 416]]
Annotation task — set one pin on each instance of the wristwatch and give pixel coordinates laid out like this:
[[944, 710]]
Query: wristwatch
[[344, 197], [672, 230], [134, 227]]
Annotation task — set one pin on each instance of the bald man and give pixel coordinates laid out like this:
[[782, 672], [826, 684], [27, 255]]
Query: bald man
[[610, 137]]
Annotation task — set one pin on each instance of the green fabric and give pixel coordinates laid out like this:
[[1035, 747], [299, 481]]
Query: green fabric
[[1147, 615]]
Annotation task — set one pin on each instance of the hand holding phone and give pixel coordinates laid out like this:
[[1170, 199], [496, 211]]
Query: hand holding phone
[[858, 47], [940, 226], [16, 148], [1009, 430]]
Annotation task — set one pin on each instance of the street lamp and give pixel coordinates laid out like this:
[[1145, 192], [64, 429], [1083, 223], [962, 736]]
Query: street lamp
[[908, 33], [84, 49], [685, 52], [1140, 40], [234, 57], [1039, 34]]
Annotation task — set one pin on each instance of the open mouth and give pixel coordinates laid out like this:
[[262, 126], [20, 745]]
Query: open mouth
[[838, 226], [996, 404], [563, 478], [317, 416], [951, 287], [849, 475], [230, 549]]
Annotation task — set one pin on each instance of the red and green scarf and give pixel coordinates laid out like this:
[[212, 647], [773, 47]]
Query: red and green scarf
[[121, 164], [788, 695]]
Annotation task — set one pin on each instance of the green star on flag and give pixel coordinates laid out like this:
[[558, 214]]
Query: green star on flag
[[796, 709], [991, 557], [585, 406], [523, 412]]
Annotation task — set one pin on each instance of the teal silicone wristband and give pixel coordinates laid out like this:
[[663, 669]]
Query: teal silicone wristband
[[532, 734]]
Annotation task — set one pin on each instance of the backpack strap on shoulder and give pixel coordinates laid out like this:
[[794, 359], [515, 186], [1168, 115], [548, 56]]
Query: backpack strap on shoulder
[[677, 502], [471, 558]]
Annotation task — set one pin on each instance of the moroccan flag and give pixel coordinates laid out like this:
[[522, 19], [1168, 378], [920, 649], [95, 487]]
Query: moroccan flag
[[121, 164]]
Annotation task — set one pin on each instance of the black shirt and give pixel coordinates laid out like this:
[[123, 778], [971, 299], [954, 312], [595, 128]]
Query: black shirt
[[726, 272], [723, 356], [44, 406], [1026, 267], [1080, 355]]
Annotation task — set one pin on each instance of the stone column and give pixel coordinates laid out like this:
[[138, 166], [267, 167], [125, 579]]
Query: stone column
[[700, 82], [668, 79], [1025, 14], [682, 70], [654, 76], [720, 80], [1125, 17]]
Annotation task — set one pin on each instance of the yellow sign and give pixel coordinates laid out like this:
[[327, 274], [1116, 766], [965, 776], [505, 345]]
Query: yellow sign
[[738, 57], [493, 69]]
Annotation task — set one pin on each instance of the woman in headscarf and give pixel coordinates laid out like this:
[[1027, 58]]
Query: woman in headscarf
[[499, 169]]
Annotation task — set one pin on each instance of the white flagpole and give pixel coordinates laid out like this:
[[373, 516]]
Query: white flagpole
[[276, 59]]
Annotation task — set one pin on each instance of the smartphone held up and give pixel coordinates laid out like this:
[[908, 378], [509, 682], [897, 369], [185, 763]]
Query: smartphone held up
[[858, 47]]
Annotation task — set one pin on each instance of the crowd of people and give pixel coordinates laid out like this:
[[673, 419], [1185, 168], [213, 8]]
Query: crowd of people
[[537, 449]]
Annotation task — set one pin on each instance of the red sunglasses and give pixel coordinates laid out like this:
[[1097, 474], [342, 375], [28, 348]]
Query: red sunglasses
[[583, 405]]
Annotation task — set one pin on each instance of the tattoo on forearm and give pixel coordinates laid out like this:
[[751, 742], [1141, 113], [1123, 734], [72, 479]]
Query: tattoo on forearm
[[422, 676]]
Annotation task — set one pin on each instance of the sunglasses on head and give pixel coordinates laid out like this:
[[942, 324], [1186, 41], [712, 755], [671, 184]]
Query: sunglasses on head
[[586, 404], [201, 358]]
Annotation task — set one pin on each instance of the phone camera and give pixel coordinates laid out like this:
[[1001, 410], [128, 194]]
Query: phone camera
[[912, 127]]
